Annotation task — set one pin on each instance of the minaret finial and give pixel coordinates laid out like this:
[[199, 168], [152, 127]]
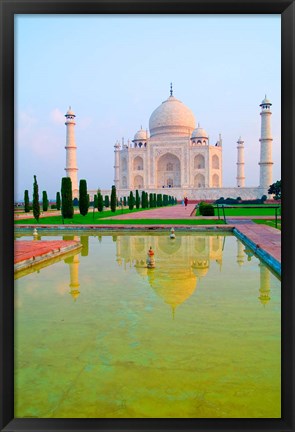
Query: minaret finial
[[171, 90]]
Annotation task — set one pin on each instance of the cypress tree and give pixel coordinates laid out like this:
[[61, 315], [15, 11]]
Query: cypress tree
[[36, 205], [151, 200], [113, 199], [99, 202], [106, 201], [159, 200], [83, 198], [95, 201], [143, 199], [125, 201], [155, 200], [131, 201], [58, 200], [67, 198], [146, 200], [137, 199], [44, 201], [27, 201]]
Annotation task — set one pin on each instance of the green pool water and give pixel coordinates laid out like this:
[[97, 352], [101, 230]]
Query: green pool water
[[99, 335]]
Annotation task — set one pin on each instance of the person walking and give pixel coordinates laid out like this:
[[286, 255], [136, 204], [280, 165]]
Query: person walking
[[185, 201]]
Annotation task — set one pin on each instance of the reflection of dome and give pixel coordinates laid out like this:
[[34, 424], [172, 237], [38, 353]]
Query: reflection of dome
[[140, 135], [199, 132], [174, 286], [172, 117]]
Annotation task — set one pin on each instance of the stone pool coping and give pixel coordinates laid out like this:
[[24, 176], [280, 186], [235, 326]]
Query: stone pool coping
[[267, 251], [29, 253]]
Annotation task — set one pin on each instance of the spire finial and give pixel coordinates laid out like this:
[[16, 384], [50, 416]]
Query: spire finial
[[171, 90]]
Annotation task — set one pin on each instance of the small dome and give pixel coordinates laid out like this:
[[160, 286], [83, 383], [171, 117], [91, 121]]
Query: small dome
[[199, 132], [172, 117], [265, 101], [140, 135]]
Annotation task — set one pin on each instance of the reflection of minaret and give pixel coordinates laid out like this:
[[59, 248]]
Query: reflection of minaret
[[74, 277], [240, 253], [264, 284]]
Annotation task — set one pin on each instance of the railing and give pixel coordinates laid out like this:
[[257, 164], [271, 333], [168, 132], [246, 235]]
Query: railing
[[222, 206]]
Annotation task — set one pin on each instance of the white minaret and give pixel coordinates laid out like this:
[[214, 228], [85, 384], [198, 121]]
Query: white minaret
[[240, 164], [71, 148], [117, 164], [265, 145]]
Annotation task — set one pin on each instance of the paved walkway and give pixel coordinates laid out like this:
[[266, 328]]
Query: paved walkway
[[174, 212], [29, 252], [264, 237]]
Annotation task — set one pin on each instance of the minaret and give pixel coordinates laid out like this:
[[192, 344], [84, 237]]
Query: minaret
[[265, 145], [117, 164], [240, 164], [71, 148]]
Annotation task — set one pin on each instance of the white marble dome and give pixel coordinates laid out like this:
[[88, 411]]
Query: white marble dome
[[140, 135], [199, 132], [172, 117]]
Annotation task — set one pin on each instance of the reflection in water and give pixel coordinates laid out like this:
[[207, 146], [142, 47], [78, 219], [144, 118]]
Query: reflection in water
[[129, 358], [180, 263]]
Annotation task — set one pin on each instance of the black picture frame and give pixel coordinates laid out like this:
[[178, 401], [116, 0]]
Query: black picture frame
[[8, 8]]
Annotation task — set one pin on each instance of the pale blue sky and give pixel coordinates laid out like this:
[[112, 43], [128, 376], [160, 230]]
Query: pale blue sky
[[114, 70]]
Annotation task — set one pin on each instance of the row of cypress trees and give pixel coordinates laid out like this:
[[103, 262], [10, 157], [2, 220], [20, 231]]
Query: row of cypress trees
[[65, 200], [151, 200]]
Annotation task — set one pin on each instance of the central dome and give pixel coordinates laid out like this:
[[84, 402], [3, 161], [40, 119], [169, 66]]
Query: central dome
[[172, 117]]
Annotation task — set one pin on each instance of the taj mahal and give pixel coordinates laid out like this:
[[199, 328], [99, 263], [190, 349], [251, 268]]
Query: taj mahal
[[176, 158]]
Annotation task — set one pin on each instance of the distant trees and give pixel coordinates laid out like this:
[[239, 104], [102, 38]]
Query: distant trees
[[144, 199], [137, 199], [106, 201], [67, 198], [113, 199], [95, 201], [99, 201], [44, 201], [36, 205], [159, 200], [276, 190], [131, 201], [58, 200], [27, 201], [83, 198]]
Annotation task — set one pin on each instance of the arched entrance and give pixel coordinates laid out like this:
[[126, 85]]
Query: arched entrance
[[168, 171]]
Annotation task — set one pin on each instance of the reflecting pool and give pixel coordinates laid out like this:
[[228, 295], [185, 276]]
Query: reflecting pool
[[98, 334]]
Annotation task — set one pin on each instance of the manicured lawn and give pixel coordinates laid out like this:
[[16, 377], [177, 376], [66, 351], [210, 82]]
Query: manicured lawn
[[90, 218], [87, 220], [269, 222], [249, 211]]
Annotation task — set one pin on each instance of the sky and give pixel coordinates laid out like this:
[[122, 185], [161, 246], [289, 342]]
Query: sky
[[115, 70]]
